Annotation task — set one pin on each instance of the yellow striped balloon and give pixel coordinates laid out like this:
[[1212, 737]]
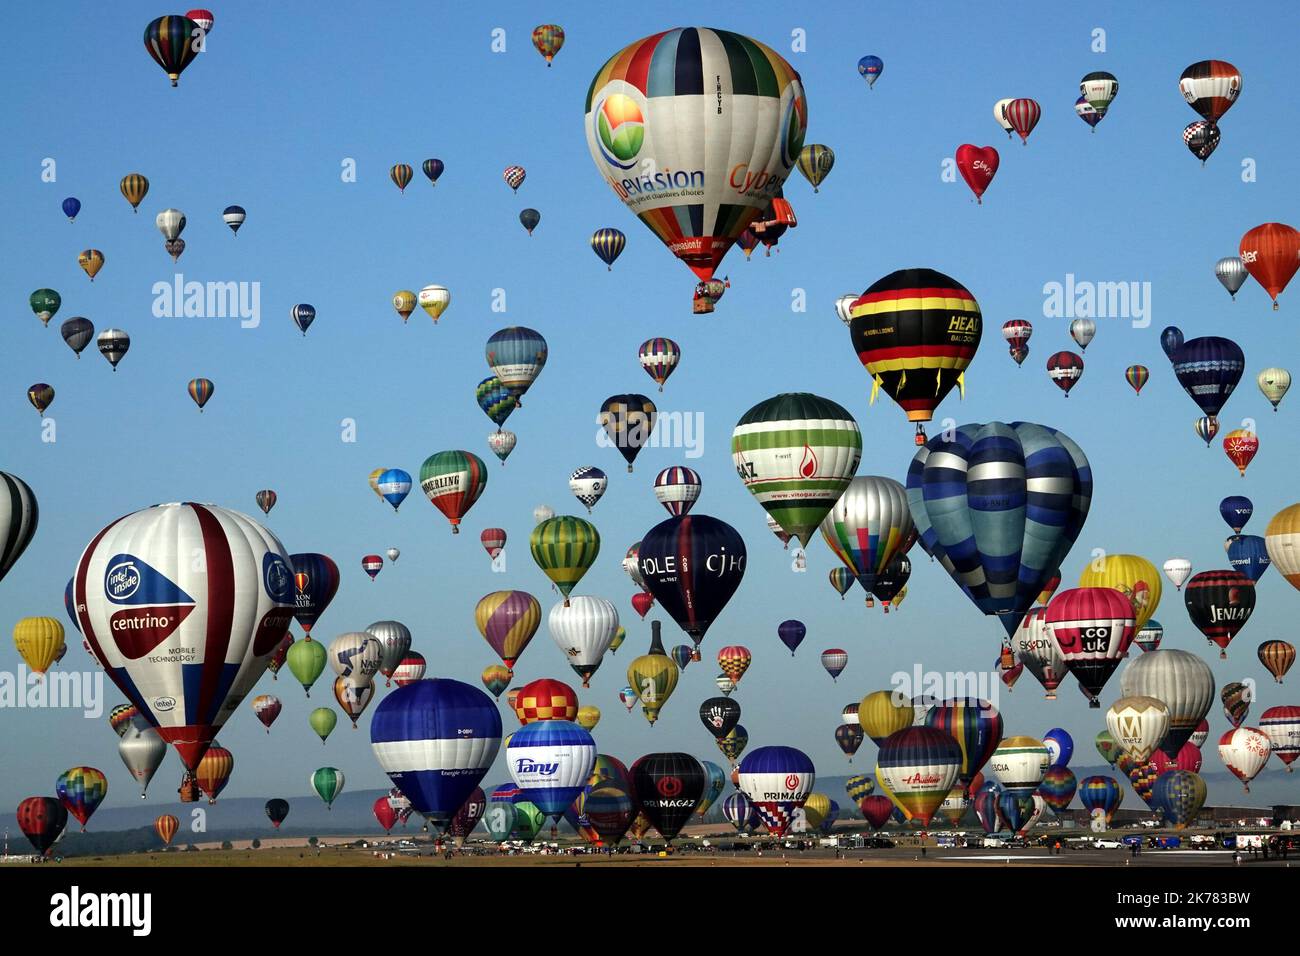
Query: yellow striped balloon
[[815, 162], [1135, 577], [1282, 539], [401, 176], [134, 188], [881, 715], [565, 547], [39, 641]]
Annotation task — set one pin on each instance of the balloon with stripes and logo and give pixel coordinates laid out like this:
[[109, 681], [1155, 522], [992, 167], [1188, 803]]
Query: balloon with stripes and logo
[[777, 781], [453, 481], [185, 604], [677, 489], [917, 767], [796, 453], [436, 740], [1093, 627], [550, 761], [660, 358]]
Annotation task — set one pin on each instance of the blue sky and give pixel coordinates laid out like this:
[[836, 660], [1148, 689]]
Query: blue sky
[[287, 93]]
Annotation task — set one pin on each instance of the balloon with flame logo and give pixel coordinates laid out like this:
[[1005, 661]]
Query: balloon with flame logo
[[668, 786], [1241, 445], [777, 781], [436, 739], [168, 597], [1245, 751], [1220, 603], [796, 453], [917, 768], [653, 106]]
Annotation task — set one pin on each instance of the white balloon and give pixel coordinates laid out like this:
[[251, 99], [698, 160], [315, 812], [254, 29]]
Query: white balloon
[[583, 631]]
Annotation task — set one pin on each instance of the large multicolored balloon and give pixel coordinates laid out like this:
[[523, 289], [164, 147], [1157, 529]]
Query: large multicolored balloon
[[1093, 627], [999, 506], [796, 453], [184, 639], [453, 481], [917, 767], [915, 331], [508, 620], [975, 724], [173, 42], [777, 781], [696, 130], [869, 526], [564, 548]]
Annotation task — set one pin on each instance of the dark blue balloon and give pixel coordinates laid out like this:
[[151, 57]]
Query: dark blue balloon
[[692, 564], [436, 740], [986, 806], [1236, 511], [791, 634], [1015, 809], [71, 206], [1171, 340], [529, 218], [70, 606], [1208, 369], [1064, 748], [433, 169], [1247, 554], [871, 67]]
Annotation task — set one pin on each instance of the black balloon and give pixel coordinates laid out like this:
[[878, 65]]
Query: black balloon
[[720, 715], [692, 565], [668, 787], [892, 579], [277, 810]]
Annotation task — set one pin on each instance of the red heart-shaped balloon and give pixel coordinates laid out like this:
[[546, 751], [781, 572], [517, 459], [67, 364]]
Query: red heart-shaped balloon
[[978, 167]]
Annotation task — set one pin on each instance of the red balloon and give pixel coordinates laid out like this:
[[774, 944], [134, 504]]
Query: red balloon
[[1065, 369], [1271, 253], [545, 699], [1023, 116], [1093, 627], [42, 819], [876, 809], [1241, 447], [1189, 759], [978, 166], [385, 813], [642, 602]]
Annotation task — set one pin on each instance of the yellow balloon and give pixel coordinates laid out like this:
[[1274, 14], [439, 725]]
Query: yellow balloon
[[1282, 539], [39, 641], [816, 809], [653, 677], [404, 302], [1135, 576], [588, 717], [881, 715]]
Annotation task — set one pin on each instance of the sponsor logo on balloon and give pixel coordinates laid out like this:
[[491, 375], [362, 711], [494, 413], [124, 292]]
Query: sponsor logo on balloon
[[792, 781], [163, 704], [277, 577], [922, 779], [620, 129], [668, 787], [121, 581], [526, 765]]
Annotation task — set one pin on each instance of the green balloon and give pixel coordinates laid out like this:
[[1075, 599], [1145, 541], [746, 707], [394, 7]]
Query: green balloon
[[322, 720], [528, 821], [328, 784], [306, 660], [45, 302]]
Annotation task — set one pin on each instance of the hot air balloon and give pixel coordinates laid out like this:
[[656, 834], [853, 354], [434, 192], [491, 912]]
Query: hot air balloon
[[1135, 577], [45, 303], [142, 751], [496, 678], [303, 316], [1149, 636], [677, 489], [1022, 115], [548, 38], [327, 782], [797, 453], [917, 767], [608, 244], [113, 344], [734, 660], [1210, 87], [977, 165], [508, 620], [869, 526], [91, 261], [39, 641], [213, 771], [502, 443], [1231, 273], [564, 548], [1219, 604], [815, 162], [1282, 727], [436, 739], [841, 580], [588, 717], [1241, 446], [1093, 626], [902, 334], [1201, 139], [453, 481], [1236, 698], [583, 628], [197, 577], [545, 699], [881, 714], [550, 761], [433, 168], [529, 219], [834, 660], [234, 216], [404, 302], [975, 725], [267, 708], [1273, 383], [516, 356], [1065, 369], [401, 175], [410, 670], [639, 118], [1138, 725], [653, 677], [668, 786], [42, 820], [588, 484], [434, 299], [1277, 658], [869, 68], [997, 536], [692, 564], [791, 634], [394, 640], [316, 581], [134, 188], [201, 390], [322, 721], [372, 564], [1177, 570], [1271, 254], [1019, 765], [628, 421], [1244, 751], [81, 790], [1248, 554], [777, 781], [1182, 681], [166, 826], [173, 42], [1136, 376]]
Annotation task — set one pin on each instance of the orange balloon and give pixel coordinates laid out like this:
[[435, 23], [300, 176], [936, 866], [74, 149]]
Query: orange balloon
[[165, 826], [1271, 253], [213, 772]]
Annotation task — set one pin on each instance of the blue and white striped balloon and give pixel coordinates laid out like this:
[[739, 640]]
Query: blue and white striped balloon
[[999, 506], [550, 761], [394, 485], [436, 740]]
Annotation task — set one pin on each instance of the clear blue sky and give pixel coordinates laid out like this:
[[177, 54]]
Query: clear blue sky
[[286, 92]]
